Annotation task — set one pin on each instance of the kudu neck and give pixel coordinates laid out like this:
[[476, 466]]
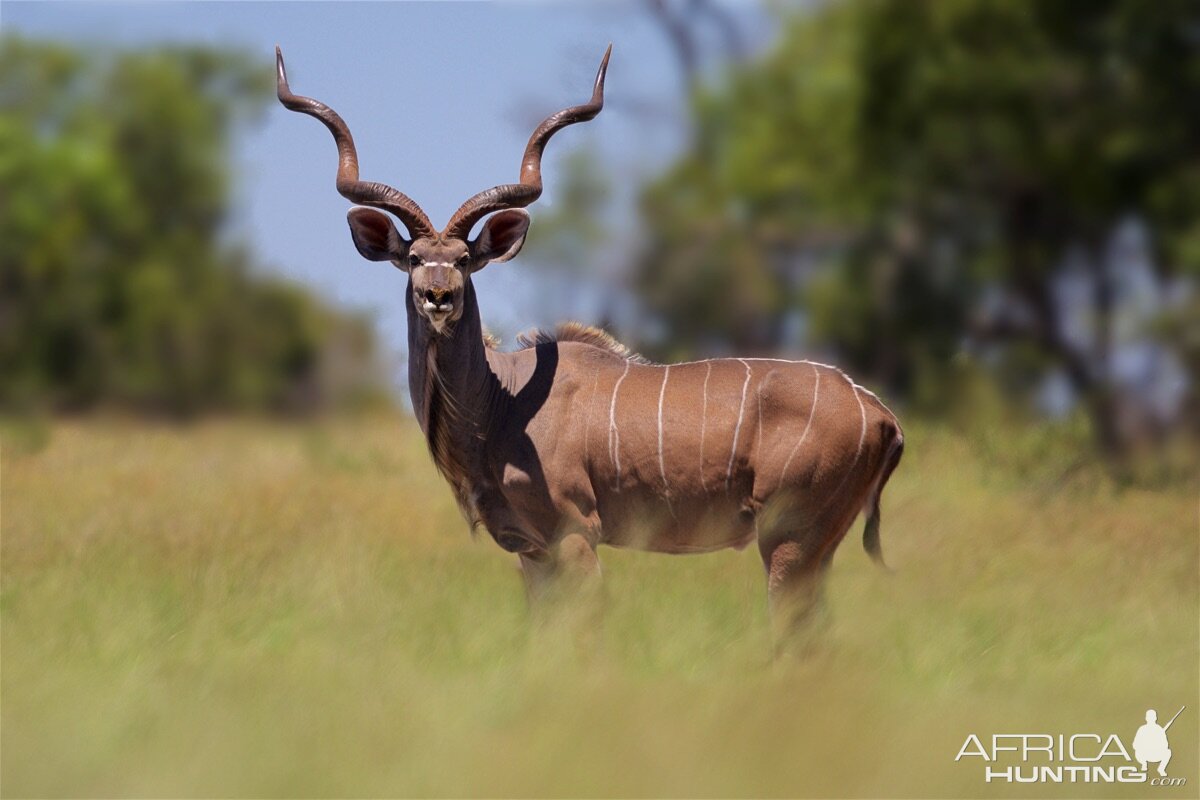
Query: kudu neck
[[449, 369]]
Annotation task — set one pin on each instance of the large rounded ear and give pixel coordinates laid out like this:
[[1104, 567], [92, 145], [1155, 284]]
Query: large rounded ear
[[376, 237], [502, 237]]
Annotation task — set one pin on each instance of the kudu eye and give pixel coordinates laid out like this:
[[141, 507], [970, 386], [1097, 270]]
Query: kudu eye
[[463, 261], [414, 260]]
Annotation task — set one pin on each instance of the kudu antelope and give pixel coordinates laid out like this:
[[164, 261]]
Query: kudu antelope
[[572, 441]]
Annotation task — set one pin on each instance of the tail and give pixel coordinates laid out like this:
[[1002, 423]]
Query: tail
[[871, 532]]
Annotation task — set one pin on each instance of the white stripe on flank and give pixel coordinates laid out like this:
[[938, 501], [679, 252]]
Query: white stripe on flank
[[758, 395], [703, 424], [862, 434], [812, 412], [738, 428], [662, 465], [862, 437], [614, 436]]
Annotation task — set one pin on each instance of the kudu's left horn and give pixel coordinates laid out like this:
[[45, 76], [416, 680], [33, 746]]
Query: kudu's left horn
[[365, 193], [519, 195]]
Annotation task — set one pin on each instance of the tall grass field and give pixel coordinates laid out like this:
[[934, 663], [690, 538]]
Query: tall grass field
[[248, 608]]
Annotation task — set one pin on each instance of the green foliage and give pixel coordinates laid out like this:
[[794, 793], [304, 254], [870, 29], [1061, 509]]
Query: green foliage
[[571, 232], [890, 163], [115, 284]]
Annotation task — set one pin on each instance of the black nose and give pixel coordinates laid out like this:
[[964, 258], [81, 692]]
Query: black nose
[[437, 296]]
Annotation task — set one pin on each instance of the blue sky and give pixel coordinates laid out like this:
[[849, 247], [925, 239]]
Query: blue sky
[[440, 98]]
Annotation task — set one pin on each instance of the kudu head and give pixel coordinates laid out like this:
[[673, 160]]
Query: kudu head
[[439, 265]]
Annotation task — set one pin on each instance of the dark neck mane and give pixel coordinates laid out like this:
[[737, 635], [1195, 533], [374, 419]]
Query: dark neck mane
[[450, 383]]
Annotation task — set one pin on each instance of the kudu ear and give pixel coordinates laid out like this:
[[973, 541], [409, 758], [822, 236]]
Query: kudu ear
[[376, 237], [502, 237]]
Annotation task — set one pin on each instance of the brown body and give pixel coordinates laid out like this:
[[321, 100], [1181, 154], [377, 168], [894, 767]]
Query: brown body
[[697, 449], [571, 441]]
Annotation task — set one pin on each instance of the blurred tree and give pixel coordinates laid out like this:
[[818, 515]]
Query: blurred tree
[[685, 23], [915, 176], [115, 283], [573, 229], [573, 248]]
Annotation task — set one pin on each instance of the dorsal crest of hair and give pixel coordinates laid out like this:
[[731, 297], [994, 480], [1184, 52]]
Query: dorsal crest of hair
[[578, 332]]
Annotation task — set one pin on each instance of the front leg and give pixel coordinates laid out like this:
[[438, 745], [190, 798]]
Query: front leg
[[563, 587], [567, 571]]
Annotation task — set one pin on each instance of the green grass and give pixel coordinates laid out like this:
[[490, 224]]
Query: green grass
[[246, 608]]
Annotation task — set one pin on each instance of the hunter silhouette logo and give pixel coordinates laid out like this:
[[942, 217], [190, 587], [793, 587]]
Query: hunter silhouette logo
[[1150, 742], [1075, 757]]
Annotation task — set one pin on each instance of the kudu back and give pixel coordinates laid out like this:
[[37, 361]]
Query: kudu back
[[572, 441]]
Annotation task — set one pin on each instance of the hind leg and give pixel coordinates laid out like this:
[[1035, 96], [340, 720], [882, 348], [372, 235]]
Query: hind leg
[[797, 560], [796, 570]]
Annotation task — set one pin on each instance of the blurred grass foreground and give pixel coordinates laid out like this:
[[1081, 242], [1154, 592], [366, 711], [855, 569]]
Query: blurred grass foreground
[[299, 611]]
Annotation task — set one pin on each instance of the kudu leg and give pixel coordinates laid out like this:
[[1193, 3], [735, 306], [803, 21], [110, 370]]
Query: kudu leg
[[796, 571], [797, 555], [565, 576], [563, 588]]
